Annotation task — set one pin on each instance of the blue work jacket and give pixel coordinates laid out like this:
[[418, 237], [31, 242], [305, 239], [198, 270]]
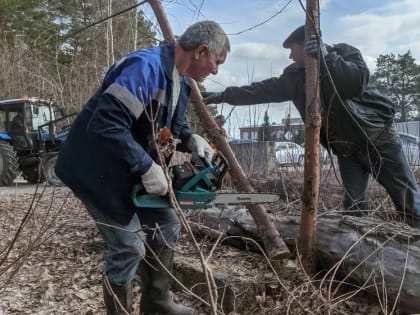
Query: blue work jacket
[[109, 145]]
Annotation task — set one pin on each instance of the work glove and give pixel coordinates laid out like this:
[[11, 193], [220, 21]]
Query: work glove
[[154, 180], [314, 47], [200, 149], [213, 97]]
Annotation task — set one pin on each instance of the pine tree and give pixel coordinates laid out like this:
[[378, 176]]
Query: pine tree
[[399, 77], [265, 132]]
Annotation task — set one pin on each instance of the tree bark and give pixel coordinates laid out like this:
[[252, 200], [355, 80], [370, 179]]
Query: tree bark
[[307, 234], [274, 245], [380, 255]]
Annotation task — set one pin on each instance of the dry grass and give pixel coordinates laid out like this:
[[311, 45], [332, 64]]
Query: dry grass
[[51, 260]]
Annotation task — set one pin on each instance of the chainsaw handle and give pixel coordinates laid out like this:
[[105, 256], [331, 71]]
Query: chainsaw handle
[[138, 188], [221, 164], [200, 162], [141, 198]]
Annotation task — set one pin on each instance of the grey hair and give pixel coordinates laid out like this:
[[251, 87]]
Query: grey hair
[[204, 32]]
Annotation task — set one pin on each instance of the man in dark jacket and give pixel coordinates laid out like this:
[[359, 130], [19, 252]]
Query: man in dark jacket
[[357, 121], [109, 150]]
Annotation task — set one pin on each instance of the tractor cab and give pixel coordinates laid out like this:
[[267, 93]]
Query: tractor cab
[[21, 119], [28, 137]]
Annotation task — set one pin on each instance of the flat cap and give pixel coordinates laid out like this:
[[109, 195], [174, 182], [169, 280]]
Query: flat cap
[[297, 36]]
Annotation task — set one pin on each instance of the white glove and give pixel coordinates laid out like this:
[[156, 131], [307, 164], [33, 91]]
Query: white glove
[[154, 180], [200, 148]]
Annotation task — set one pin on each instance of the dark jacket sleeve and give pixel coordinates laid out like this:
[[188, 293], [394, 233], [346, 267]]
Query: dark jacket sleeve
[[348, 70], [110, 125], [276, 89]]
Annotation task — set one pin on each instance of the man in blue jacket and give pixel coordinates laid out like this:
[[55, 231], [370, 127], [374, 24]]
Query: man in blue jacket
[[109, 149], [357, 121]]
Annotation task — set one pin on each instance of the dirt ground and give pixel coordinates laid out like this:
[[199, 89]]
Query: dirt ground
[[51, 262]]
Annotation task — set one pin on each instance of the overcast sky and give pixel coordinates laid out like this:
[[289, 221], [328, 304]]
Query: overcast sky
[[374, 26]]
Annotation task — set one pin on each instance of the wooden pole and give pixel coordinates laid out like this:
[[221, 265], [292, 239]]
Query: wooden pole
[[307, 233], [273, 243]]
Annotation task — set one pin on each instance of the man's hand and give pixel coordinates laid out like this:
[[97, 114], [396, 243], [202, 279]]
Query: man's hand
[[314, 47], [213, 97], [200, 149], [154, 180]]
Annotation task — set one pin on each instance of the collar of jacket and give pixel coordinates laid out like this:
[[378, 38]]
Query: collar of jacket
[[167, 57]]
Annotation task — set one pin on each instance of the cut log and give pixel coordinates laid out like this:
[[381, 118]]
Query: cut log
[[381, 256]]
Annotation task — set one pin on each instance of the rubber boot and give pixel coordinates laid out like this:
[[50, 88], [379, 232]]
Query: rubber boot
[[155, 282], [124, 293]]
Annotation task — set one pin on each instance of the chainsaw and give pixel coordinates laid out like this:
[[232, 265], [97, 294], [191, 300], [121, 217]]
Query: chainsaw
[[195, 187]]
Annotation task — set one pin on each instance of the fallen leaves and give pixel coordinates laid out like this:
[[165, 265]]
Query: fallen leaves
[[56, 263]]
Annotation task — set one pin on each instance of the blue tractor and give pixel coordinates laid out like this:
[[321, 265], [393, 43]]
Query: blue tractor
[[31, 132]]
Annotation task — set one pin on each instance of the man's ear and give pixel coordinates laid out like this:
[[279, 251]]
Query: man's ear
[[203, 48]]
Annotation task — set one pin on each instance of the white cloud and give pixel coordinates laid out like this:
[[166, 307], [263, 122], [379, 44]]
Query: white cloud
[[249, 62], [262, 51], [385, 30], [324, 4], [371, 63]]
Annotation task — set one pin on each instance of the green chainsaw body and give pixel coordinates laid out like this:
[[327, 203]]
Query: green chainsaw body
[[194, 186]]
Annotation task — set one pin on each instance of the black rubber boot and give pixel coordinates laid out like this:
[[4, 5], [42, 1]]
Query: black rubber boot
[[155, 282], [124, 293]]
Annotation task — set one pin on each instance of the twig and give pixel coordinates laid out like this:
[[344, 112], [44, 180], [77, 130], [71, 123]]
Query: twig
[[212, 289]]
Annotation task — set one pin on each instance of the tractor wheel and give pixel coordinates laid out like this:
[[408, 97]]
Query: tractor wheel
[[31, 174], [8, 164], [49, 172]]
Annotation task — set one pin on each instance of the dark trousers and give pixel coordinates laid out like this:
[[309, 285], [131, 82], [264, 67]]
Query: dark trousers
[[125, 243], [388, 165]]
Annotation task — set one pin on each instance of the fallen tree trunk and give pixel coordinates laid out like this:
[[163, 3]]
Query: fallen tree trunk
[[383, 257]]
